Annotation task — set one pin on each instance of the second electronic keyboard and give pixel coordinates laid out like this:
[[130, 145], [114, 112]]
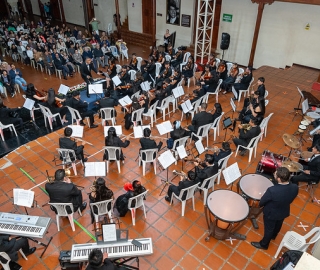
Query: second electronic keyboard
[[80, 252]]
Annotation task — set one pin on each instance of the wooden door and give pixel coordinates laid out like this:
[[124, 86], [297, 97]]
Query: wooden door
[[147, 16], [55, 9], [29, 11]]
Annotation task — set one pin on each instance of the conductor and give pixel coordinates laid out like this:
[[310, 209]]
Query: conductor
[[85, 70]]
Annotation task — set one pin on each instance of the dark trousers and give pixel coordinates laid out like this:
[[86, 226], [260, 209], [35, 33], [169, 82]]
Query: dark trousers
[[271, 230], [238, 141], [174, 189], [88, 114], [302, 177], [9, 87], [19, 243]]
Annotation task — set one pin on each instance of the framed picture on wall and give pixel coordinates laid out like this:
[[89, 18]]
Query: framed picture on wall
[[173, 12]]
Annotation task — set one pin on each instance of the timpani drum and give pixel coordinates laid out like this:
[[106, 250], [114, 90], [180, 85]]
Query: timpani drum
[[229, 211], [313, 115]]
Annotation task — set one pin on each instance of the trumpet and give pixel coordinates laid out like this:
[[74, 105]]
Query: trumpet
[[214, 149], [50, 179], [183, 174]]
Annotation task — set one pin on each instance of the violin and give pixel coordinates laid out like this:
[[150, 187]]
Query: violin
[[160, 58], [170, 51], [186, 97], [125, 86], [110, 69], [134, 61], [42, 93], [188, 66], [177, 55]]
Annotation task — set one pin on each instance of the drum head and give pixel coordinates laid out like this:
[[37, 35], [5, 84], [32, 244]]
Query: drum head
[[254, 185], [304, 122]]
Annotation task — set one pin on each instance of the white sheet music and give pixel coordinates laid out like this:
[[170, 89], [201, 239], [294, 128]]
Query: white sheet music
[[118, 130], [125, 101], [23, 197], [95, 88], [94, 169], [28, 104], [138, 131], [235, 92], [187, 106], [164, 127], [116, 80], [305, 106], [181, 151], [166, 159], [231, 173], [178, 91], [77, 131], [109, 232], [145, 86], [63, 89], [199, 147], [233, 105]]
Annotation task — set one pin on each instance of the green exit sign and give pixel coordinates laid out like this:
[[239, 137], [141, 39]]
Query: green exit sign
[[227, 17]]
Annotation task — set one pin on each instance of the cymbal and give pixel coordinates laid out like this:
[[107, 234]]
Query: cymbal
[[292, 166], [291, 140], [308, 118], [306, 154]]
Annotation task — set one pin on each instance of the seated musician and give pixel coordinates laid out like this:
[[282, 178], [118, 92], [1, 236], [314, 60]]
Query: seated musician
[[67, 143], [249, 106], [112, 71], [99, 192], [209, 168], [51, 104], [11, 246], [187, 70], [257, 111], [165, 73], [167, 87], [123, 88], [217, 111], [245, 135], [220, 153], [200, 119], [229, 81], [175, 78], [177, 59], [161, 58], [154, 54], [107, 102], [177, 133], [261, 87], [100, 261], [311, 172], [222, 70], [244, 82], [61, 190], [134, 62], [212, 63], [82, 107], [149, 70], [137, 103], [160, 94], [136, 84], [31, 93], [208, 80], [147, 143], [113, 140]]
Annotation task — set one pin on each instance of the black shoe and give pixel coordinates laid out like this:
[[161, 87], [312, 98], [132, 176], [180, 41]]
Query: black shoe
[[243, 152], [24, 130], [88, 96], [167, 198], [257, 245], [93, 126], [85, 160], [82, 124], [83, 206], [31, 251], [234, 98], [71, 75]]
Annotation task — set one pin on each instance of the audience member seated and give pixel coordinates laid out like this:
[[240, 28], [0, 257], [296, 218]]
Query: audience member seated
[[16, 76], [7, 82]]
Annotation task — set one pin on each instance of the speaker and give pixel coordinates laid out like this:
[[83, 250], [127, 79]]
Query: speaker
[[225, 41]]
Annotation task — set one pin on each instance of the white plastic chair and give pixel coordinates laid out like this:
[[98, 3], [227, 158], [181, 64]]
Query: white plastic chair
[[137, 115], [139, 59], [264, 125], [295, 241], [47, 115], [109, 28], [158, 68], [66, 155], [112, 150], [229, 66], [58, 71], [217, 62], [176, 143], [193, 75], [195, 105], [150, 156], [204, 130], [252, 146], [209, 182], [132, 74], [39, 66], [266, 102], [185, 60], [61, 209], [164, 106], [241, 70], [76, 117], [190, 195], [216, 126], [10, 126], [152, 113], [138, 202], [106, 114], [118, 68], [174, 102], [32, 111], [266, 93], [216, 92], [167, 57], [246, 92], [222, 164], [102, 208], [114, 51], [6, 256]]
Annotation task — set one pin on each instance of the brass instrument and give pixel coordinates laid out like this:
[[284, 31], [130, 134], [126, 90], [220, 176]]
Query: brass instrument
[[246, 127], [183, 174], [50, 179], [214, 149]]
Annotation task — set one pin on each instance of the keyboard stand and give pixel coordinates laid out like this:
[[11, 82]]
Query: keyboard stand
[[42, 244], [117, 262]]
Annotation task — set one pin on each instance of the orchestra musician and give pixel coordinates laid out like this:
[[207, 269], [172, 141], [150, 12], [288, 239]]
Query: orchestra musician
[[228, 82], [123, 88], [200, 119], [222, 70], [61, 190], [53, 103], [136, 84], [209, 168], [208, 80], [216, 111], [246, 135], [187, 70], [177, 133], [170, 50], [107, 102], [261, 87], [100, 261], [255, 107], [165, 73], [134, 62], [212, 63], [147, 143], [67, 143], [149, 70], [161, 58], [166, 40], [177, 59], [85, 70], [244, 83], [175, 77], [220, 153], [154, 54], [161, 93], [113, 140], [33, 94], [112, 71]]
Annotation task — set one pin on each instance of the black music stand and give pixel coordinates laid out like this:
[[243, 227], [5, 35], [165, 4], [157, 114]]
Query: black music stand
[[296, 111], [166, 159]]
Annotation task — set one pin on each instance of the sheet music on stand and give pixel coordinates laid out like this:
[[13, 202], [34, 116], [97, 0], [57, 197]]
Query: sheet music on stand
[[166, 159], [23, 197], [95, 88], [231, 173], [181, 151], [109, 232], [29, 104], [77, 131], [199, 147], [116, 80], [63, 89], [187, 106], [164, 127], [233, 105], [94, 169], [125, 101], [138, 131], [117, 128], [235, 93], [305, 106], [145, 86], [178, 91]]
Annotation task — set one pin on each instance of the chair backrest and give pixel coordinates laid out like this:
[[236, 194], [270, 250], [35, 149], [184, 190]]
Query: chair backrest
[[195, 66], [314, 235], [216, 121], [66, 155], [165, 102], [114, 50], [217, 62], [196, 104], [241, 70], [180, 83], [118, 68], [248, 89], [62, 208], [139, 59], [137, 199], [179, 142], [266, 102], [102, 207], [5, 265], [190, 192], [153, 107], [45, 111], [203, 130], [266, 93], [132, 74], [158, 67], [112, 152], [229, 66], [167, 57], [222, 163], [75, 115], [137, 115], [211, 181], [254, 141], [149, 154], [185, 57], [106, 113], [136, 95]]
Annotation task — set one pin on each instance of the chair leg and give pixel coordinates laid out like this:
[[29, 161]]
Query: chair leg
[[183, 207], [107, 165], [250, 155], [205, 193], [1, 133], [70, 217], [133, 216], [22, 254], [74, 168], [118, 163], [58, 222], [278, 250], [143, 168], [144, 211], [155, 166], [193, 204]]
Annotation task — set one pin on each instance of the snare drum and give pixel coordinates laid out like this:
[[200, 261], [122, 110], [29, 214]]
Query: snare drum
[[304, 122], [303, 127], [270, 162]]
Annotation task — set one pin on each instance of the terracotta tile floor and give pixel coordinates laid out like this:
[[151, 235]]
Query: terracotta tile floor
[[178, 242]]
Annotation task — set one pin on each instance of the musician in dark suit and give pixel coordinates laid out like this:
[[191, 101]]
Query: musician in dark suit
[[177, 58], [165, 73], [244, 82], [200, 119], [107, 102], [246, 135], [209, 168], [82, 107], [67, 143], [60, 64], [261, 87], [276, 206], [11, 246], [61, 190], [311, 172], [149, 70], [85, 70], [223, 152], [147, 143], [100, 261]]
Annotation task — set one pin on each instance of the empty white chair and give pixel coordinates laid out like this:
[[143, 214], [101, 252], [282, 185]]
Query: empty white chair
[[132, 74], [185, 60], [139, 59], [158, 68], [295, 241], [216, 126], [222, 164], [102, 208], [206, 185], [151, 113], [148, 156], [204, 131], [68, 157], [10, 126], [58, 71], [216, 92], [61, 209], [47, 115], [176, 143], [76, 117], [189, 195], [174, 102], [252, 146], [164, 106], [114, 51], [137, 115], [108, 114], [264, 125], [112, 152], [246, 92], [193, 75], [136, 202]]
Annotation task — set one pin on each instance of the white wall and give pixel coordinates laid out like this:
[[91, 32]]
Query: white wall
[[73, 11], [35, 7], [135, 15]]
